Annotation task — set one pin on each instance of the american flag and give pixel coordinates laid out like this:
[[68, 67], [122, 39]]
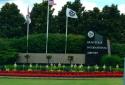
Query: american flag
[[51, 2], [28, 20]]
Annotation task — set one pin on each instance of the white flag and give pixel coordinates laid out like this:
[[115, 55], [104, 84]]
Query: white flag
[[51, 2], [70, 13], [28, 20]]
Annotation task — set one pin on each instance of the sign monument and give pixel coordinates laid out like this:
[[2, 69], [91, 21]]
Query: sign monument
[[96, 47]]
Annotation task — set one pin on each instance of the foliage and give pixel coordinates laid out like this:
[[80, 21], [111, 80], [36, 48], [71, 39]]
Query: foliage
[[76, 44], [7, 54], [118, 49], [112, 60], [11, 21], [55, 45], [108, 22], [38, 17], [61, 68]]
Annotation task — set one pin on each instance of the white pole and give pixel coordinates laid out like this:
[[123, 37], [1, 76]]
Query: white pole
[[47, 29], [27, 17], [109, 47], [66, 35], [27, 51]]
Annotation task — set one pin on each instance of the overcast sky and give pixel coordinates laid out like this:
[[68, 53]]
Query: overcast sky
[[89, 4]]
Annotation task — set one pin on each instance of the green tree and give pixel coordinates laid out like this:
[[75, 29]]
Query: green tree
[[7, 54], [11, 21], [91, 20], [111, 20], [38, 17]]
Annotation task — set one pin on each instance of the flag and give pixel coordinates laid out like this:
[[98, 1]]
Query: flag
[[51, 2], [28, 20], [70, 13]]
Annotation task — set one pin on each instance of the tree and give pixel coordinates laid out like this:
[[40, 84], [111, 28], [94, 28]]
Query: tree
[[7, 54], [91, 20], [111, 12], [111, 20], [11, 21], [38, 17]]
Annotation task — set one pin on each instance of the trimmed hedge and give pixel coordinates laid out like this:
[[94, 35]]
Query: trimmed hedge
[[56, 43]]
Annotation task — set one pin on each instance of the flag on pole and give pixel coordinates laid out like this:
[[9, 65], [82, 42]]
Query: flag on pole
[[70, 13], [51, 2], [28, 20]]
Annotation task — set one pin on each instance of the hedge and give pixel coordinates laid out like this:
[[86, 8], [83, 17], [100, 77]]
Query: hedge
[[56, 43]]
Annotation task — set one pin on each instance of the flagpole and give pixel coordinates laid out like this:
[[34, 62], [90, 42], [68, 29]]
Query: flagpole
[[109, 47], [66, 35], [27, 51], [47, 29]]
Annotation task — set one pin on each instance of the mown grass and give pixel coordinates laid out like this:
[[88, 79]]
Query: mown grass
[[41, 81]]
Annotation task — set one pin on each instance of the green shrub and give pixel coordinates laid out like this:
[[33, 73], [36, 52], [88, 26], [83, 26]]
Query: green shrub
[[56, 43], [112, 60], [118, 49]]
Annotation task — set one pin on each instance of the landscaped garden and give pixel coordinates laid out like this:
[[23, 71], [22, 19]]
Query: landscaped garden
[[59, 70]]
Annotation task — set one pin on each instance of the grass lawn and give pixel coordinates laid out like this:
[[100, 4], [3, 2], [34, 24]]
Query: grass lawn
[[40, 81]]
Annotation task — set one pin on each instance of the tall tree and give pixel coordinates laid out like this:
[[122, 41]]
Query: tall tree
[[111, 19], [91, 20], [122, 25], [11, 21], [38, 17]]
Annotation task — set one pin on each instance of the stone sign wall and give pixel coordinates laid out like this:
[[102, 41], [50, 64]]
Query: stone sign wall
[[56, 58]]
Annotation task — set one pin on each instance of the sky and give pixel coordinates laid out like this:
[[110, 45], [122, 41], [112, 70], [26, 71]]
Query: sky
[[89, 4]]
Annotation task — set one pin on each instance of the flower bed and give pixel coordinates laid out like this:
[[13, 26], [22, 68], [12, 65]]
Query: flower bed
[[60, 74]]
